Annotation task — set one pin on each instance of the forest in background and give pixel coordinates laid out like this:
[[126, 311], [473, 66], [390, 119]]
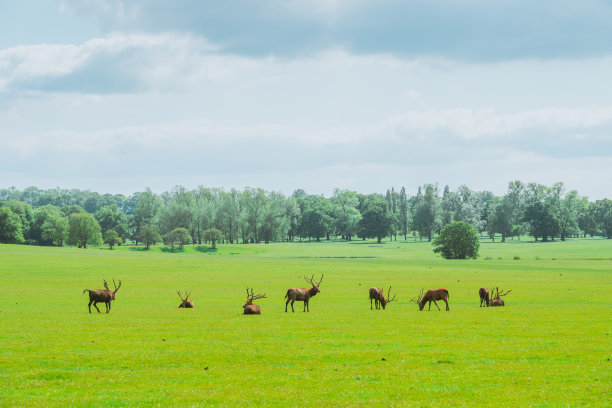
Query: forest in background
[[253, 215]]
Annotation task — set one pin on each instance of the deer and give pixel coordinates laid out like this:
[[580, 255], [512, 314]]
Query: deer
[[379, 297], [484, 296], [302, 294], [496, 295], [102, 295], [431, 296], [249, 307], [186, 303]]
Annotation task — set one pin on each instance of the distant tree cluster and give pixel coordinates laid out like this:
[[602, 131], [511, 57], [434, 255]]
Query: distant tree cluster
[[205, 215]]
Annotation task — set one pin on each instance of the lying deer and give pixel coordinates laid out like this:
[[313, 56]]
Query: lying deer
[[102, 295], [431, 296], [186, 303], [484, 296], [379, 297], [249, 307], [496, 294], [302, 294]]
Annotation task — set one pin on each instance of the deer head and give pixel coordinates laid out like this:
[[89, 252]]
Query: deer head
[[251, 297], [112, 293], [388, 298], [186, 303], [315, 286], [419, 300], [496, 295]]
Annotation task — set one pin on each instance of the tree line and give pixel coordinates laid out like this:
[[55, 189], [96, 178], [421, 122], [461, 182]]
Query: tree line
[[253, 215]]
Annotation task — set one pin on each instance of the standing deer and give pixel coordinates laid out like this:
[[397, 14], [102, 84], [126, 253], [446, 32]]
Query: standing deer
[[302, 294], [484, 296], [496, 294], [379, 297], [431, 296], [186, 303], [249, 307], [102, 295]]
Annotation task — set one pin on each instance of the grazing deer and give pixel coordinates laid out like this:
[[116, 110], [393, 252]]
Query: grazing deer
[[484, 296], [102, 295], [249, 307], [186, 303], [379, 297], [431, 296], [302, 294], [496, 294]]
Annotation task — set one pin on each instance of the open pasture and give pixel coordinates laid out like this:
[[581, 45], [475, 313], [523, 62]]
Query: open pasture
[[550, 346]]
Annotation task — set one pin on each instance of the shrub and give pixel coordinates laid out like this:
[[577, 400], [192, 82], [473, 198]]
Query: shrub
[[458, 240]]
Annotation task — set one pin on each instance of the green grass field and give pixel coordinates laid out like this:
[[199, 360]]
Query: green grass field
[[549, 347]]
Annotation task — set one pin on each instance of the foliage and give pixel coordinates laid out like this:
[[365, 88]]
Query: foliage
[[376, 220], [149, 235], [10, 227], [457, 240], [178, 236], [110, 218], [55, 229], [83, 230], [213, 235], [112, 238]]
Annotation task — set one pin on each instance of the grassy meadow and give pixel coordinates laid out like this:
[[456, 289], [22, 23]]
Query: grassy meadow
[[549, 347]]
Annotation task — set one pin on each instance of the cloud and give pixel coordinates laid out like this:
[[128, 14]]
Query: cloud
[[466, 30]]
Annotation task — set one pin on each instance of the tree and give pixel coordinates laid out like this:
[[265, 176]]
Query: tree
[[403, 213], [345, 213], [10, 227], [376, 220], [112, 238], [603, 216], [83, 230], [541, 221], [427, 213], [110, 218], [213, 235], [55, 229], [147, 208], [149, 235], [457, 240], [180, 236]]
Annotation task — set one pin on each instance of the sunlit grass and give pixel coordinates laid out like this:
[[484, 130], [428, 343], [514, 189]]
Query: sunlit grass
[[550, 345]]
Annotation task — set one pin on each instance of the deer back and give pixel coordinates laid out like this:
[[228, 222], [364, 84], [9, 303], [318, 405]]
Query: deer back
[[376, 293], [435, 294], [250, 308], [101, 295]]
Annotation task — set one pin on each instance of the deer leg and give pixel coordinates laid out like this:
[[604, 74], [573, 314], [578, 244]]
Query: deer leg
[[89, 305], [446, 301], [96, 306], [306, 305], [436, 303], [292, 309], [107, 304], [370, 303], [287, 303]]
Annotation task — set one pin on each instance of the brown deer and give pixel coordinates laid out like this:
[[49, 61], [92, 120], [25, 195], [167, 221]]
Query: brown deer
[[249, 307], [102, 295], [302, 294], [431, 296], [186, 303], [379, 297], [496, 295], [484, 296]]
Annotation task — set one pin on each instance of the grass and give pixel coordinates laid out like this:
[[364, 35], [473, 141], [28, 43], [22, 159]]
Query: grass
[[549, 347]]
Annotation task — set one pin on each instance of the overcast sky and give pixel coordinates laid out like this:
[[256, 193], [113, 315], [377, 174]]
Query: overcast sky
[[116, 96]]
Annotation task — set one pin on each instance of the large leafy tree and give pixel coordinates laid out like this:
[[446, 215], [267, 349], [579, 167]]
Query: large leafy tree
[[179, 236], [345, 212], [55, 229], [457, 240], [112, 238], [541, 221], [376, 220], [149, 235], [147, 208], [110, 218], [427, 212], [213, 235], [10, 227], [83, 230]]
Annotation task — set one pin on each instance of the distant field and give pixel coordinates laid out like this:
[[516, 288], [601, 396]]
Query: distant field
[[549, 347]]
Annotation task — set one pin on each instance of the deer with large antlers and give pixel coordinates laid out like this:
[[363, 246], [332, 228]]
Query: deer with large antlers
[[379, 297], [484, 296], [496, 295], [185, 303], [102, 295], [302, 294], [431, 296], [249, 307]]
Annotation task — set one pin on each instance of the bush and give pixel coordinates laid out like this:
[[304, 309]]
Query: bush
[[458, 240]]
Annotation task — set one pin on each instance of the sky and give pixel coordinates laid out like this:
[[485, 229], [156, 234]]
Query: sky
[[115, 96]]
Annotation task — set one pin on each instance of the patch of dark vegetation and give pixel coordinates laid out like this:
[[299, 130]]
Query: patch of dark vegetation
[[206, 249], [444, 362]]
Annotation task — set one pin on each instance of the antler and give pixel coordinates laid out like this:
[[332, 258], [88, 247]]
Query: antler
[[504, 294], [116, 287], [252, 296], [106, 285], [389, 296], [320, 280], [418, 299], [187, 294], [311, 280], [179, 293]]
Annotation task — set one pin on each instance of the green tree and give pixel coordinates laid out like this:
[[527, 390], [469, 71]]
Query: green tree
[[55, 229], [83, 230], [149, 235], [376, 220], [541, 221], [213, 235], [457, 240], [112, 238], [179, 236], [345, 213], [603, 216], [10, 227], [427, 213], [110, 218], [147, 208]]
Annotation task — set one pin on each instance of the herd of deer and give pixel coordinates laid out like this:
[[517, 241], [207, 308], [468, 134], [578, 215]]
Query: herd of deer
[[487, 297]]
